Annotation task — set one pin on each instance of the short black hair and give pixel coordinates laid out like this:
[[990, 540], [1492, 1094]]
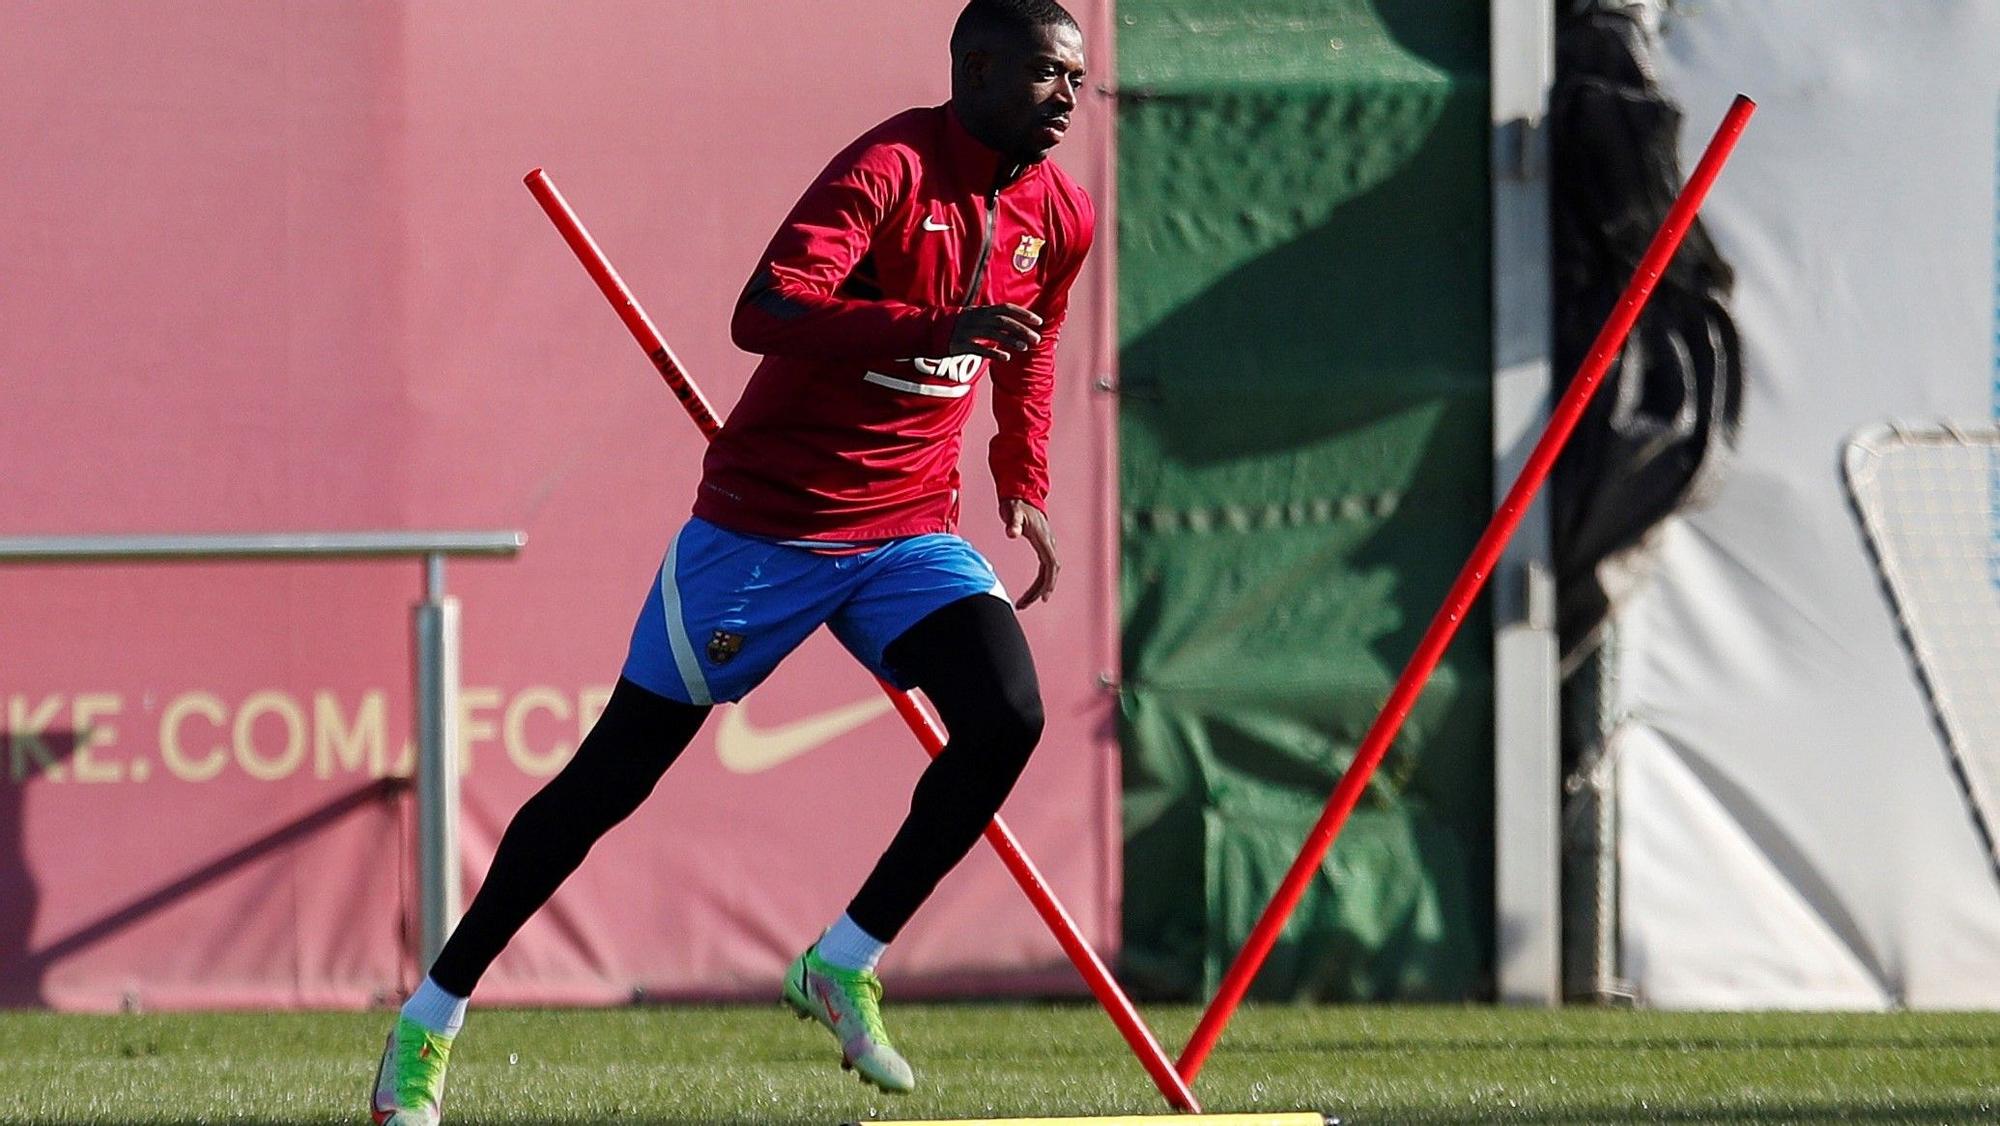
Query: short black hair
[[983, 19]]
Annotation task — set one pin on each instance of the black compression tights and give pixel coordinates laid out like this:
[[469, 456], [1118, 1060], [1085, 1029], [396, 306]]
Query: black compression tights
[[972, 661], [969, 658], [632, 744]]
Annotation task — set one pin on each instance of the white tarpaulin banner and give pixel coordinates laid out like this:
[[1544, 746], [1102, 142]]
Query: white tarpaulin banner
[[1791, 831]]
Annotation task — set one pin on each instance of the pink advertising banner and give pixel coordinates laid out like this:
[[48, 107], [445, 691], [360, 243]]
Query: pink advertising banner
[[270, 267]]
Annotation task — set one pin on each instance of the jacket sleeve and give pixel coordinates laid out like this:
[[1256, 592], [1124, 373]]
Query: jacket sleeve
[[791, 306], [1024, 389]]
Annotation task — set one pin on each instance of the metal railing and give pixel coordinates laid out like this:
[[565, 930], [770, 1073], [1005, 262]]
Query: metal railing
[[436, 629]]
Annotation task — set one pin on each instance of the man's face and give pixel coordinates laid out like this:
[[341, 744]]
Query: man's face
[[1030, 89]]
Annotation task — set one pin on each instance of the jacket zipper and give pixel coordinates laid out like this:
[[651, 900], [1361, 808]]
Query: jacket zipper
[[985, 248]]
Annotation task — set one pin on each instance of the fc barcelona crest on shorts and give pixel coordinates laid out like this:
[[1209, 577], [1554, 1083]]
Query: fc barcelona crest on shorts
[[723, 645], [1028, 253]]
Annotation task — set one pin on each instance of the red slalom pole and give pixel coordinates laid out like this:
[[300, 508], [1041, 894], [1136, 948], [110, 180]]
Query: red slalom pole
[[627, 306], [1563, 420], [1119, 1007]]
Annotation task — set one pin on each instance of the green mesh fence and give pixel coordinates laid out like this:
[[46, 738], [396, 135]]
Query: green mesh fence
[[1305, 427]]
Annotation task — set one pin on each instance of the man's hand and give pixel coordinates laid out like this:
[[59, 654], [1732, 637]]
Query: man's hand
[[1021, 519], [995, 331]]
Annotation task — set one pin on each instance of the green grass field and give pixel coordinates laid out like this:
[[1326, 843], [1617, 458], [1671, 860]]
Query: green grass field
[[756, 1065]]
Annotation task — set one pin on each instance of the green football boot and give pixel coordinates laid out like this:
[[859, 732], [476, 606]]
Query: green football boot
[[409, 1086], [849, 1004]]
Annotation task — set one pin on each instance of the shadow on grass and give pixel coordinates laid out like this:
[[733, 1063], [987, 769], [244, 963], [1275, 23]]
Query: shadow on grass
[[1404, 1045], [1933, 1110], [619, 1119]]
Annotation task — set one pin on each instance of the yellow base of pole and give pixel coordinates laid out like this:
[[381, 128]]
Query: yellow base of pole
[[1290, 1118]]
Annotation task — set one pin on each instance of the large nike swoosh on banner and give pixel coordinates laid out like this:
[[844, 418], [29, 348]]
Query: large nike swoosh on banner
[[746, 748]]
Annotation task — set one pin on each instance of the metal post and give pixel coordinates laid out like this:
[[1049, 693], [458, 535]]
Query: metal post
[[437, 623], [1526, 750]]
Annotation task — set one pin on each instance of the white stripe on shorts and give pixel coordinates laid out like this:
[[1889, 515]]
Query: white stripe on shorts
[[677, 638]]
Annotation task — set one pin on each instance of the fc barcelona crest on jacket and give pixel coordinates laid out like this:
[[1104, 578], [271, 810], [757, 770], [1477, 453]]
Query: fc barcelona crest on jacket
[[1028, 253]]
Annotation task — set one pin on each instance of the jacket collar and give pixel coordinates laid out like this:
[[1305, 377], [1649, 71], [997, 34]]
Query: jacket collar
[[979, 167]]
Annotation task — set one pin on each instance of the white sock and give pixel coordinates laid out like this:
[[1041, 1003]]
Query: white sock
[[846, 946], [434, 1009]]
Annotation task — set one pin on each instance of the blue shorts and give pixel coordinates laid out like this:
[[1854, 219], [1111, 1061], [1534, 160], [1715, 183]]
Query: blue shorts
[[726, 608]]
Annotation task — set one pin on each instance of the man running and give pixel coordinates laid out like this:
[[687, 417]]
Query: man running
[[939, 247]]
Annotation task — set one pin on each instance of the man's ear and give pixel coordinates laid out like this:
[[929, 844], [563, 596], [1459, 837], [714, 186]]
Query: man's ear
[[973, 68]]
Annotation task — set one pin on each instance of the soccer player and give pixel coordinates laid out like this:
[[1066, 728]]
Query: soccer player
[[937, 248]]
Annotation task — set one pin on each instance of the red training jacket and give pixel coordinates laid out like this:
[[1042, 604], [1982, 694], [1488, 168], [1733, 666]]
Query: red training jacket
[[850, 428]]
